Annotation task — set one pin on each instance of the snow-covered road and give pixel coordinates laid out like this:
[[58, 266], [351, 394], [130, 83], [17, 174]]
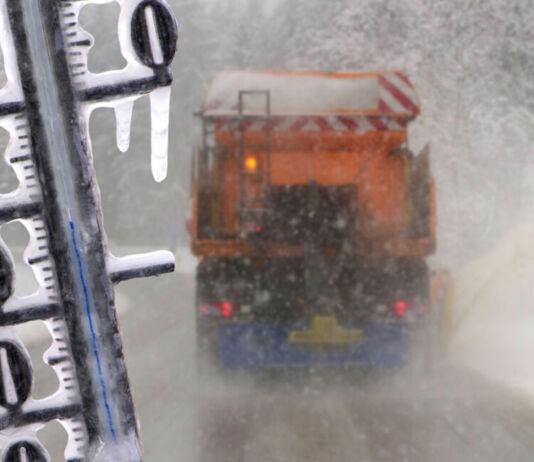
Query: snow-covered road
[[452, 417]]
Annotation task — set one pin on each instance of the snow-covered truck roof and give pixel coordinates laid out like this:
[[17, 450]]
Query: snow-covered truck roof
[[388, 93]]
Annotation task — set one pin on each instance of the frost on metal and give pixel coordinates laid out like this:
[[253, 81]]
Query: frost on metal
[[45, 107], [147, 55]]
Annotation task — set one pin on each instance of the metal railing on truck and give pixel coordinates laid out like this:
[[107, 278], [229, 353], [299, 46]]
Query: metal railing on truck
[[254, 208]]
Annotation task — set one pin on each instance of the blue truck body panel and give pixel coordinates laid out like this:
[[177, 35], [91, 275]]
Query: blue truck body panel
[[384, 344]]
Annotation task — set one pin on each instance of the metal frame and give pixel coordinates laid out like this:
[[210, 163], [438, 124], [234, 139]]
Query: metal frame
[[78, 300], [266, 173]]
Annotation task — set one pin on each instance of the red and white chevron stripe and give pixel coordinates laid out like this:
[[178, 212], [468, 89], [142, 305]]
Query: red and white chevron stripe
[[397, 94], [335, 123]]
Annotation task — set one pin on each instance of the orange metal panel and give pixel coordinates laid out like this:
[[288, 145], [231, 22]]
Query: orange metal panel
[[344, 158], [194, 221], [229, 192], [314, 140], [418, 248], [325, 167], [336, 158]]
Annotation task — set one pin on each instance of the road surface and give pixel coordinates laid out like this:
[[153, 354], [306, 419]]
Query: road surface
[[450, 416]]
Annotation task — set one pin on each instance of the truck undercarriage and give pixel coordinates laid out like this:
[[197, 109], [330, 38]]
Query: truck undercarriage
[[264, 300]]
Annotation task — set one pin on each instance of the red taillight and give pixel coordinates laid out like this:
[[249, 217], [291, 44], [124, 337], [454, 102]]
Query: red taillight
[[401, 307], [225, 309], [249, 227]]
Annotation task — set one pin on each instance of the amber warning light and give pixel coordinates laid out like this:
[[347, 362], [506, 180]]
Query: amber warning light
[[251, 163]]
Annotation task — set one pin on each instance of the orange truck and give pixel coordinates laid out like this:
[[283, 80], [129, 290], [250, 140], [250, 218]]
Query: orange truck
[[312, 220]]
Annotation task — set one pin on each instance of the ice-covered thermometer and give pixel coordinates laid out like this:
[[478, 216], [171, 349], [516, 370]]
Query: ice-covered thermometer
[[45, 107]]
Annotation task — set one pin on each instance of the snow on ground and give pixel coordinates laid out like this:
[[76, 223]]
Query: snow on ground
[[493, 312]]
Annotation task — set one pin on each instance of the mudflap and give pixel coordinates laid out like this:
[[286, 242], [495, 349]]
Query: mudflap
[[258, 346]]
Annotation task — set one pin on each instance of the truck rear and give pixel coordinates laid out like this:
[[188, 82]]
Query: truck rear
[[312, 220]]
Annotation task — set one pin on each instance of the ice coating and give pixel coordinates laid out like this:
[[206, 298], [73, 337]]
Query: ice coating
[[123, 118], [155, 46], [128, 450], [121, 268], [12, 89], [134, 70], [159, 111], [117, 436], [7, 379]]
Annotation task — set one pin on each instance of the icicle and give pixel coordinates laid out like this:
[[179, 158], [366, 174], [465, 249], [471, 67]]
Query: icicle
[[23, 454], [159, 111], [123, 117]]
